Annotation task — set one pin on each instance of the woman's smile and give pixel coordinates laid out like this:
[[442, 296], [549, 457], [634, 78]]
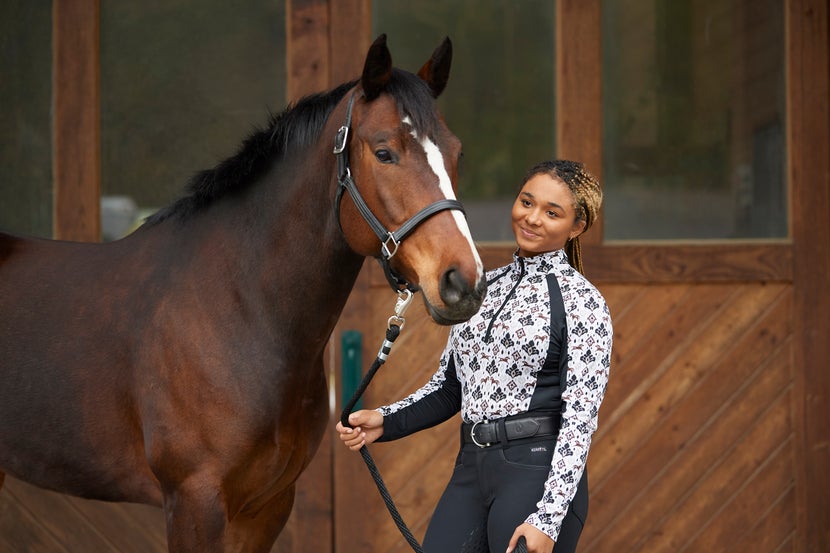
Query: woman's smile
[[528, 233]]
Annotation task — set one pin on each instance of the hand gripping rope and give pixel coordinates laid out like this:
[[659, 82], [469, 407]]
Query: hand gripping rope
[[477, 542], [393, 330]]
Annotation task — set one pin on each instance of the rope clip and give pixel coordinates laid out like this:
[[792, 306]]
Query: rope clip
[[404, 299]]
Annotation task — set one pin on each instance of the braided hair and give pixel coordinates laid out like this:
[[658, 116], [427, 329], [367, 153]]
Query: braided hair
[[587, 195]]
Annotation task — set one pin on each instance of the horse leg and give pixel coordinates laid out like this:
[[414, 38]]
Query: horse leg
[[196, 519], [2, 477], [257, 532]]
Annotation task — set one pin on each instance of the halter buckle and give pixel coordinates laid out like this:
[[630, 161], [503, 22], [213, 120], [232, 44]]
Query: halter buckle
[[340, 140], [384, 246]]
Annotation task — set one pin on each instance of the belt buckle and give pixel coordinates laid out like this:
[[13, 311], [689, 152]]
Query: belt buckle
[[473, 435]]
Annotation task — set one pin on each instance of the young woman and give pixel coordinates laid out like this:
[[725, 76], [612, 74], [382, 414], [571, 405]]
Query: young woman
[[528, 373]]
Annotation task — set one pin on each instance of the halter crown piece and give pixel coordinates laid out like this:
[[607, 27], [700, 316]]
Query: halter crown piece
[[389, 241]]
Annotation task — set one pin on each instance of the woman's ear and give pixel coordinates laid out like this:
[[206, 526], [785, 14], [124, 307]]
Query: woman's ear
[[579, 228]]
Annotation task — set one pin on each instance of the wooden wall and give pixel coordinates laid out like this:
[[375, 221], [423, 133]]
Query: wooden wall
[[38, 521], [695, 450]]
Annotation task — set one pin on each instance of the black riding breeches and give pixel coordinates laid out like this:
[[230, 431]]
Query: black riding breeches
[[491, 492]]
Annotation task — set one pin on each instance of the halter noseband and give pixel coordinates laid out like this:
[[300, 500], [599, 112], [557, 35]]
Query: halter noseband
[[389, 241]]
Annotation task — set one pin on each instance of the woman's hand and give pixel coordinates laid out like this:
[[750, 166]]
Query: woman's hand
[[368, 427], [537, 541]]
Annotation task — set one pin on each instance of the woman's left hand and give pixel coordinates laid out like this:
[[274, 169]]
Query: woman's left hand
[[537, 541]]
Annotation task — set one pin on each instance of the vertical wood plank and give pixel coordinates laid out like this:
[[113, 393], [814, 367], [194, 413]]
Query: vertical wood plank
[[307, 60], [309, 527], [307, 47], [809, 175], [578, 90], [351, 27], [77, 116]]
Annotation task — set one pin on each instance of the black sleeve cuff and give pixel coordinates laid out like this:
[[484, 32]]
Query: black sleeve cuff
[[430, 410]]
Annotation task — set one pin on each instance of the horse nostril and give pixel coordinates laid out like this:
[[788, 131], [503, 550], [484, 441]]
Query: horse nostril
[[453, 287]]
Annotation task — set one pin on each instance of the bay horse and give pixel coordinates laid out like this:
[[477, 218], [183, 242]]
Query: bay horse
[[182, 366]]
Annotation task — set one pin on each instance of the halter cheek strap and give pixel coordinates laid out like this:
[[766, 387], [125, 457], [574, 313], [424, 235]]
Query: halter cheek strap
[[389, 241]]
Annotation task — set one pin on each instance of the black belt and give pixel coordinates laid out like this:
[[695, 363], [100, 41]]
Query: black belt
[[485, 434]]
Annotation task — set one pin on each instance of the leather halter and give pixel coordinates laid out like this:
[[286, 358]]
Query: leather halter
[[389, 241]]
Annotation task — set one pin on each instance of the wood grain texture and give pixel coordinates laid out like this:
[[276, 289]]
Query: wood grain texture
[[414, 469], [307, 48], [644, 470], [76, 121], [351, 26], [667, 262], [808, 145], [579, 90], [41, 520]]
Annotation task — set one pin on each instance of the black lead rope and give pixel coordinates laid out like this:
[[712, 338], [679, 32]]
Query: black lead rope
[[392, 334]]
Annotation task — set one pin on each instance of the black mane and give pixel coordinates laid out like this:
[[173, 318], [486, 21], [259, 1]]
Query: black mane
[[297, 127]]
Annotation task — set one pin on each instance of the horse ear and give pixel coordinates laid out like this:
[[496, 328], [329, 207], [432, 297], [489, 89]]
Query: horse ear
[[378, 68], [436, 71]]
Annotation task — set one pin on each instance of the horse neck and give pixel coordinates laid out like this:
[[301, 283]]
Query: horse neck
[[283, 244], [307, 253]]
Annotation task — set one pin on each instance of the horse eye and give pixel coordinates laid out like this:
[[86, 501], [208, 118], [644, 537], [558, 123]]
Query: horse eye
[[384, 156]]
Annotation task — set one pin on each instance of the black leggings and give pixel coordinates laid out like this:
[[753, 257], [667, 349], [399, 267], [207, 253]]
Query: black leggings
[[491, 492]]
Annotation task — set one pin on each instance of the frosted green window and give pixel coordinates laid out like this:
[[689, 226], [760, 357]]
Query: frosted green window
[[25, 122], [183, 83], [693, 119]]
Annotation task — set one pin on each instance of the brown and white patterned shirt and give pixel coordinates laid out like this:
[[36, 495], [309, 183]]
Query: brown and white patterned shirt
[[540, 318]]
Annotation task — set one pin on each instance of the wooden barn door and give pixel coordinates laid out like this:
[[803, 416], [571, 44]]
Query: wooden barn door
[[696, 448]]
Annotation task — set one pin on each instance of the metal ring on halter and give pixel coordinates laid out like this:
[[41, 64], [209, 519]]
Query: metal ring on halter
[[473, 436], [384, 246]]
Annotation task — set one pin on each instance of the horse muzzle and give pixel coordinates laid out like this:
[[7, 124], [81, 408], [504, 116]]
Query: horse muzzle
[[460, 300]]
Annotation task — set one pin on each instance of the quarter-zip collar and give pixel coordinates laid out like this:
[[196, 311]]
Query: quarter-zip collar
[[542, 263]]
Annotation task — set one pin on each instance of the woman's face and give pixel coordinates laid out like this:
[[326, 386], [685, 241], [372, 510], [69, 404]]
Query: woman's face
[[543, 216]]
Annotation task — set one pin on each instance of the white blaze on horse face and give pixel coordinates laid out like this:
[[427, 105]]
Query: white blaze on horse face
[[436, 162]]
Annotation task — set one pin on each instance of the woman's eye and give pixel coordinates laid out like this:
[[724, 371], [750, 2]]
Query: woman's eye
[[384, 156]]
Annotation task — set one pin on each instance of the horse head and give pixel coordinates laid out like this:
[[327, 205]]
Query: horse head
[[399, 165]]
